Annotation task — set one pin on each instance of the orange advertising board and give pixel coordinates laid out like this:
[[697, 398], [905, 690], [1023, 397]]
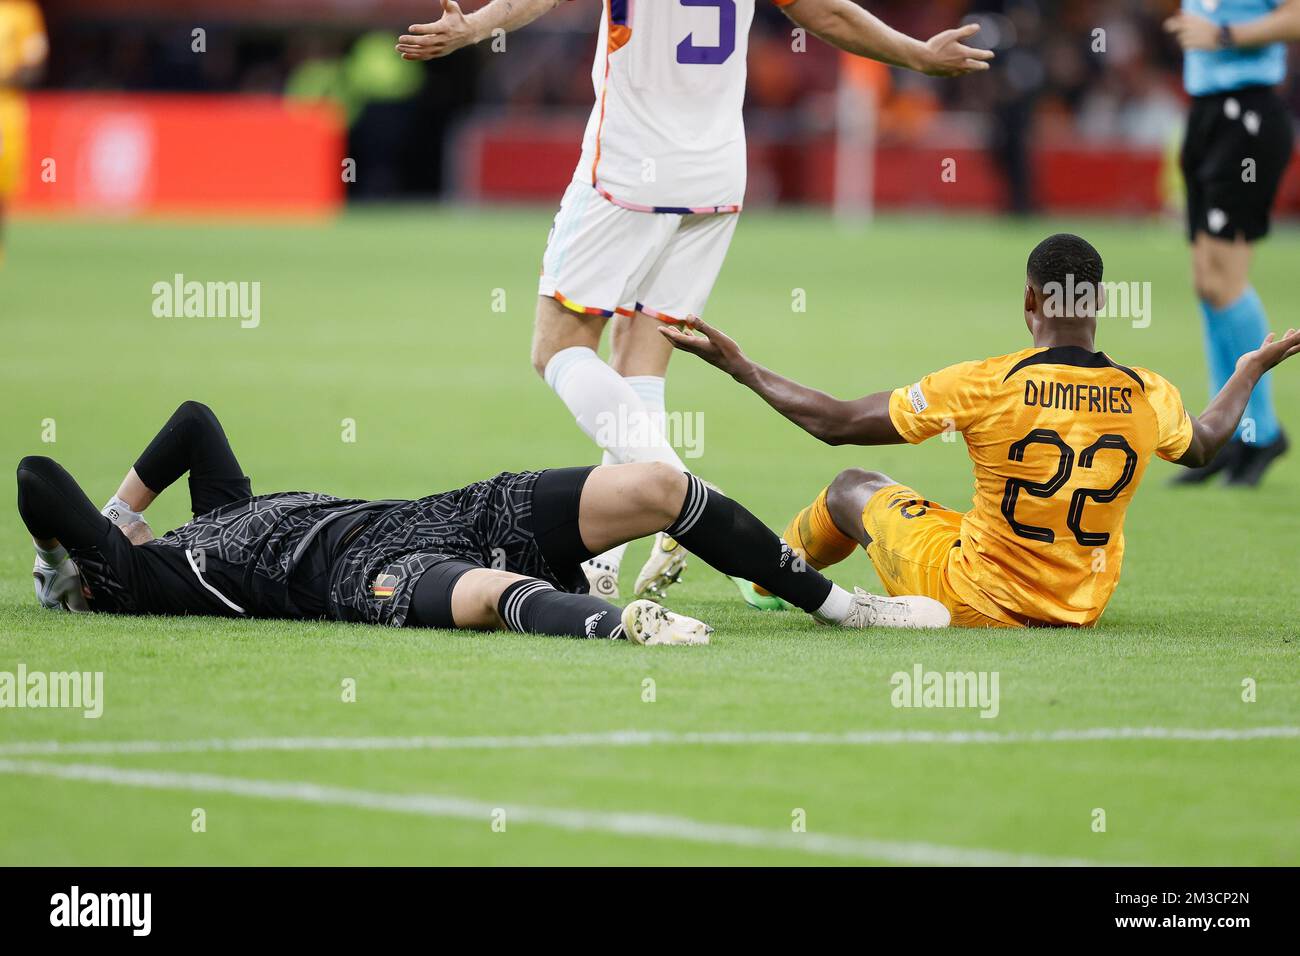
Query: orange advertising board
[[129, 154]]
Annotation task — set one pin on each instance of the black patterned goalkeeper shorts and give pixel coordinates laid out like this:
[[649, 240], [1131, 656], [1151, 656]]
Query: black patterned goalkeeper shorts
[[524, 522]]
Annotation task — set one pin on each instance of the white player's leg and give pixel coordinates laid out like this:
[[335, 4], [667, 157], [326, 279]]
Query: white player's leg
[[596, 253], [604, 569], [638, 354], [678, 285], [667, 560], [605, 405]]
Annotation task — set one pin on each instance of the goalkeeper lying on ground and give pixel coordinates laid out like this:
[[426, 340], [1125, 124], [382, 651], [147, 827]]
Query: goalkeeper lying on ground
[[501, 553]]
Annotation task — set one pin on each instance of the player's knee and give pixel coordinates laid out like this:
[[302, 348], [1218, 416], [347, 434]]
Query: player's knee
[[556, 328], [491, 589], [34, 472], [476, 597], [491, 585], [32, 467], [1215, 282], [857, 479], [546, 344], [1207, 285], [661, 489], [546, 340], [541, 357], [191, 410], [1220, 292], [849, 493]]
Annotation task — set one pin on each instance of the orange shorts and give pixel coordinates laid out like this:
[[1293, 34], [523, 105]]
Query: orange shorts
[[913, 542]]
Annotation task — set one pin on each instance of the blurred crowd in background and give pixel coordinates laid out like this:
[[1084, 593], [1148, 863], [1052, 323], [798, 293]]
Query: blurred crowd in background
[[1069, 71]]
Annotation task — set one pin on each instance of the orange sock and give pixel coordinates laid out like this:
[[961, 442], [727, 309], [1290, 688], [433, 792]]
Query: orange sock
[[813, 536]]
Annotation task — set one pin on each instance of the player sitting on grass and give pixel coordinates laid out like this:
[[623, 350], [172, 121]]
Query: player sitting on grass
[[500, 553], [1060, 436]]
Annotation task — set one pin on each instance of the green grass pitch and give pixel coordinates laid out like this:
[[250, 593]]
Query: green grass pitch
[[387, 318]]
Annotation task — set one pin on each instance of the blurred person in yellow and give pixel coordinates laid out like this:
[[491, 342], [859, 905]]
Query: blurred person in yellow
[[23, 48], [1059, 434]]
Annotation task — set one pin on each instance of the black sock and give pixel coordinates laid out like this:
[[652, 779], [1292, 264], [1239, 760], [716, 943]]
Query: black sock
[[732, 540], [534, 607]]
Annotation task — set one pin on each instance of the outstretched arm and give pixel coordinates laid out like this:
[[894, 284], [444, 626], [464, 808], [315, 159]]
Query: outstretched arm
[[862, 421], [1197, 33], [1216, 424], [428, 41], [844, 24]]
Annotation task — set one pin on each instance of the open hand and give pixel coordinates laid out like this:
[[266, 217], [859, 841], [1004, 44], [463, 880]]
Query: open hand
[[713, 346], [1274, 351], [946, 55], [428, 41]]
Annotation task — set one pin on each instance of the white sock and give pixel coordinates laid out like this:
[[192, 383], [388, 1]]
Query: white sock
[[607, 408], [53, 558], [120, 513], [611, 411], [650, 388], [836, 606], [611, 560]]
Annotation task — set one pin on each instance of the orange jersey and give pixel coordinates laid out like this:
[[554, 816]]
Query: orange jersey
[[1060, 439], [22, 38]]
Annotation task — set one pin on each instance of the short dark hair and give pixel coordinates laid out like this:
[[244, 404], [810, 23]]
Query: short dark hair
[[1063, 255]]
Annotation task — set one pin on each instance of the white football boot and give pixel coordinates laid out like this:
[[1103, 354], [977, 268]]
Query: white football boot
[[910, 611], [58, 587], [645, 622], [602, 579], [662, 569]]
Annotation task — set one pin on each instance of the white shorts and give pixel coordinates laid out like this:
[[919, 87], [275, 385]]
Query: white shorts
[[603, 259]]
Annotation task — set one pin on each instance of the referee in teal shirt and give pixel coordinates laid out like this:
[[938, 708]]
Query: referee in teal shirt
[[1237, 147]]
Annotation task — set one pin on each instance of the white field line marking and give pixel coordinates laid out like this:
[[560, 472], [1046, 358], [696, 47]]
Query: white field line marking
[[641, 738], [653, 826]]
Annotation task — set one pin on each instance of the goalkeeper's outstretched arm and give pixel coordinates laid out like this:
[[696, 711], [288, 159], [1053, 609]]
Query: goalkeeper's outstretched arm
[[862, 421], [844, 24], [454, 29]]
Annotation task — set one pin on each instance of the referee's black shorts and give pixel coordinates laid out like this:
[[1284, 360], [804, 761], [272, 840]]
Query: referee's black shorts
[[1237, 148]]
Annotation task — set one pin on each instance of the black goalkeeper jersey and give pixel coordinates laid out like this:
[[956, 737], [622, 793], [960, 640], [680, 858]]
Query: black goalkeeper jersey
[[364, 556]]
